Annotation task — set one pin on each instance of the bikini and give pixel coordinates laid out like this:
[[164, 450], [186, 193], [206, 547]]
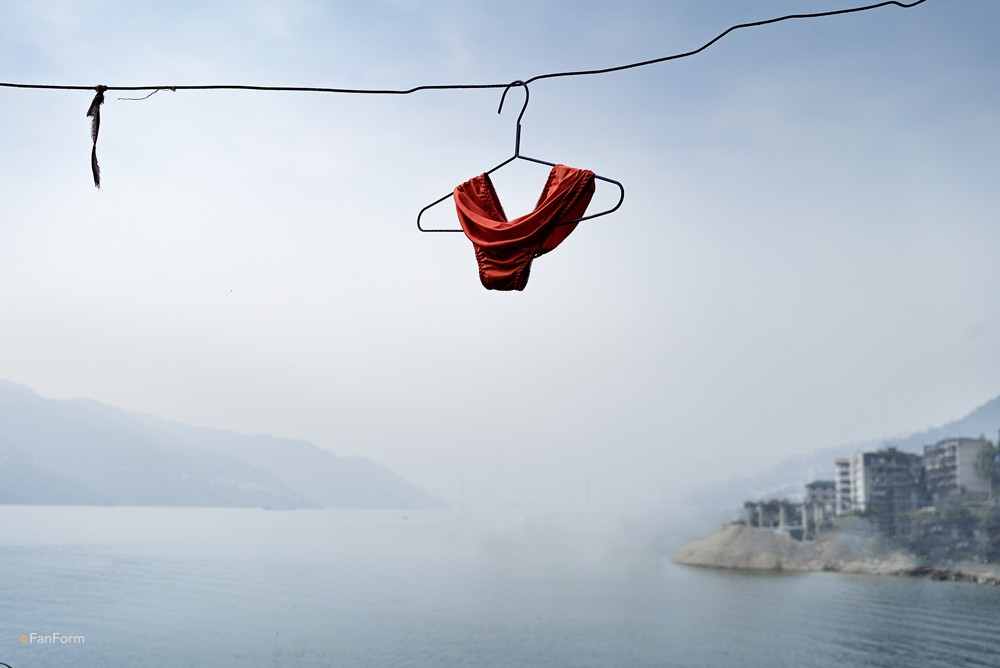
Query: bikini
[[505, 249]]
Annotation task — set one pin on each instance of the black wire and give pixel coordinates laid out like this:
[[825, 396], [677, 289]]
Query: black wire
[[723, 34], [553, 75], [294, 89]]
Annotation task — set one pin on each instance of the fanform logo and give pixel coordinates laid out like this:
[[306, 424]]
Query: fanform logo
[[50, 639]]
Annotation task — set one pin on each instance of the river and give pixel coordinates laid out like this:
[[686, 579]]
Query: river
[[105, 586]]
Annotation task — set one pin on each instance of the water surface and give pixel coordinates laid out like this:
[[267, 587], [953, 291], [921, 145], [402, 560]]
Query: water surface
[[238, 587]]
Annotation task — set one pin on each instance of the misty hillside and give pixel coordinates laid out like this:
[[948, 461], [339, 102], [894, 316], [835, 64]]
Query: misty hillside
[[84, 452], [788, 478]]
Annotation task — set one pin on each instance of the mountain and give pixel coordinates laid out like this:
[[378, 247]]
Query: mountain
[[984, 421], [84, 452], [789, 477]]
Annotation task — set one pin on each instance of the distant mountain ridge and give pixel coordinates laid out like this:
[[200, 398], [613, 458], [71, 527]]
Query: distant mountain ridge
[[788, 477], [984, 421], [83, 452]]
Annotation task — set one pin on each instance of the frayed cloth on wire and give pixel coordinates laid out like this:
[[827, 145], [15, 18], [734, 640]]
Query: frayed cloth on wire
[[94, 113]]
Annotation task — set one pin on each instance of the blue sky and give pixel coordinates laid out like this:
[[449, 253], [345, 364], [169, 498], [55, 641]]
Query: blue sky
[[805, 257]]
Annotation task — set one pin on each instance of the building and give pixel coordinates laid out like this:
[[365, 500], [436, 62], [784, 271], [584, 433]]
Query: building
[[819, 506], [888, 485], [842, 487], [778, 514], [950, 468], [822, 494]]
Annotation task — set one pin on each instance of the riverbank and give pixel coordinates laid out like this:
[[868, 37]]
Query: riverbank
[[736, 546]]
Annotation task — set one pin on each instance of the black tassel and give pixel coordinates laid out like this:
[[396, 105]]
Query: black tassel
[[94, 113]]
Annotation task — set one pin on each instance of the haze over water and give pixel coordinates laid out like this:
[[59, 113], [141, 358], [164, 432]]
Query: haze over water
[[237, 587]]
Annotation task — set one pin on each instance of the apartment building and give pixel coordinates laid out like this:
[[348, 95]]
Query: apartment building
[[950, 467], [842, 486], [888, 484]]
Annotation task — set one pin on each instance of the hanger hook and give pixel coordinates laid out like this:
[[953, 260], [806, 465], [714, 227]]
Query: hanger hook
[[516, 82], [517, 134]]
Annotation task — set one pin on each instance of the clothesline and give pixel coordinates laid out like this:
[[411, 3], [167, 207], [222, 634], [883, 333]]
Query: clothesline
[[505, 84], [94, 111]]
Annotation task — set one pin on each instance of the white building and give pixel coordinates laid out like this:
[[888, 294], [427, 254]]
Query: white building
[[950, 467], [842, 486]]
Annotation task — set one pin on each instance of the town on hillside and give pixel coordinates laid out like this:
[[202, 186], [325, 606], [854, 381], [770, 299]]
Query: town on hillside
[[941, 504]]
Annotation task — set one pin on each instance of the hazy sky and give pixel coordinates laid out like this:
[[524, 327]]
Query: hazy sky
[[807, 254]]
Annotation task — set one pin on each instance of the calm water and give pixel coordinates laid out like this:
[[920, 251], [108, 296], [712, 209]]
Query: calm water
[[198, 587]]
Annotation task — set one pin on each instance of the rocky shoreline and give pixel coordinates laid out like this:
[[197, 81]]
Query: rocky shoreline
[[740, 547]]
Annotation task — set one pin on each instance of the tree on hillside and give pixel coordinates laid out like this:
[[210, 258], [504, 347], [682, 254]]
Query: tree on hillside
[[990, 530], [947, 532], [988, 463]]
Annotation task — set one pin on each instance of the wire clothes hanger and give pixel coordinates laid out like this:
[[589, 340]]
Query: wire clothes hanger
[[517, 156]]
